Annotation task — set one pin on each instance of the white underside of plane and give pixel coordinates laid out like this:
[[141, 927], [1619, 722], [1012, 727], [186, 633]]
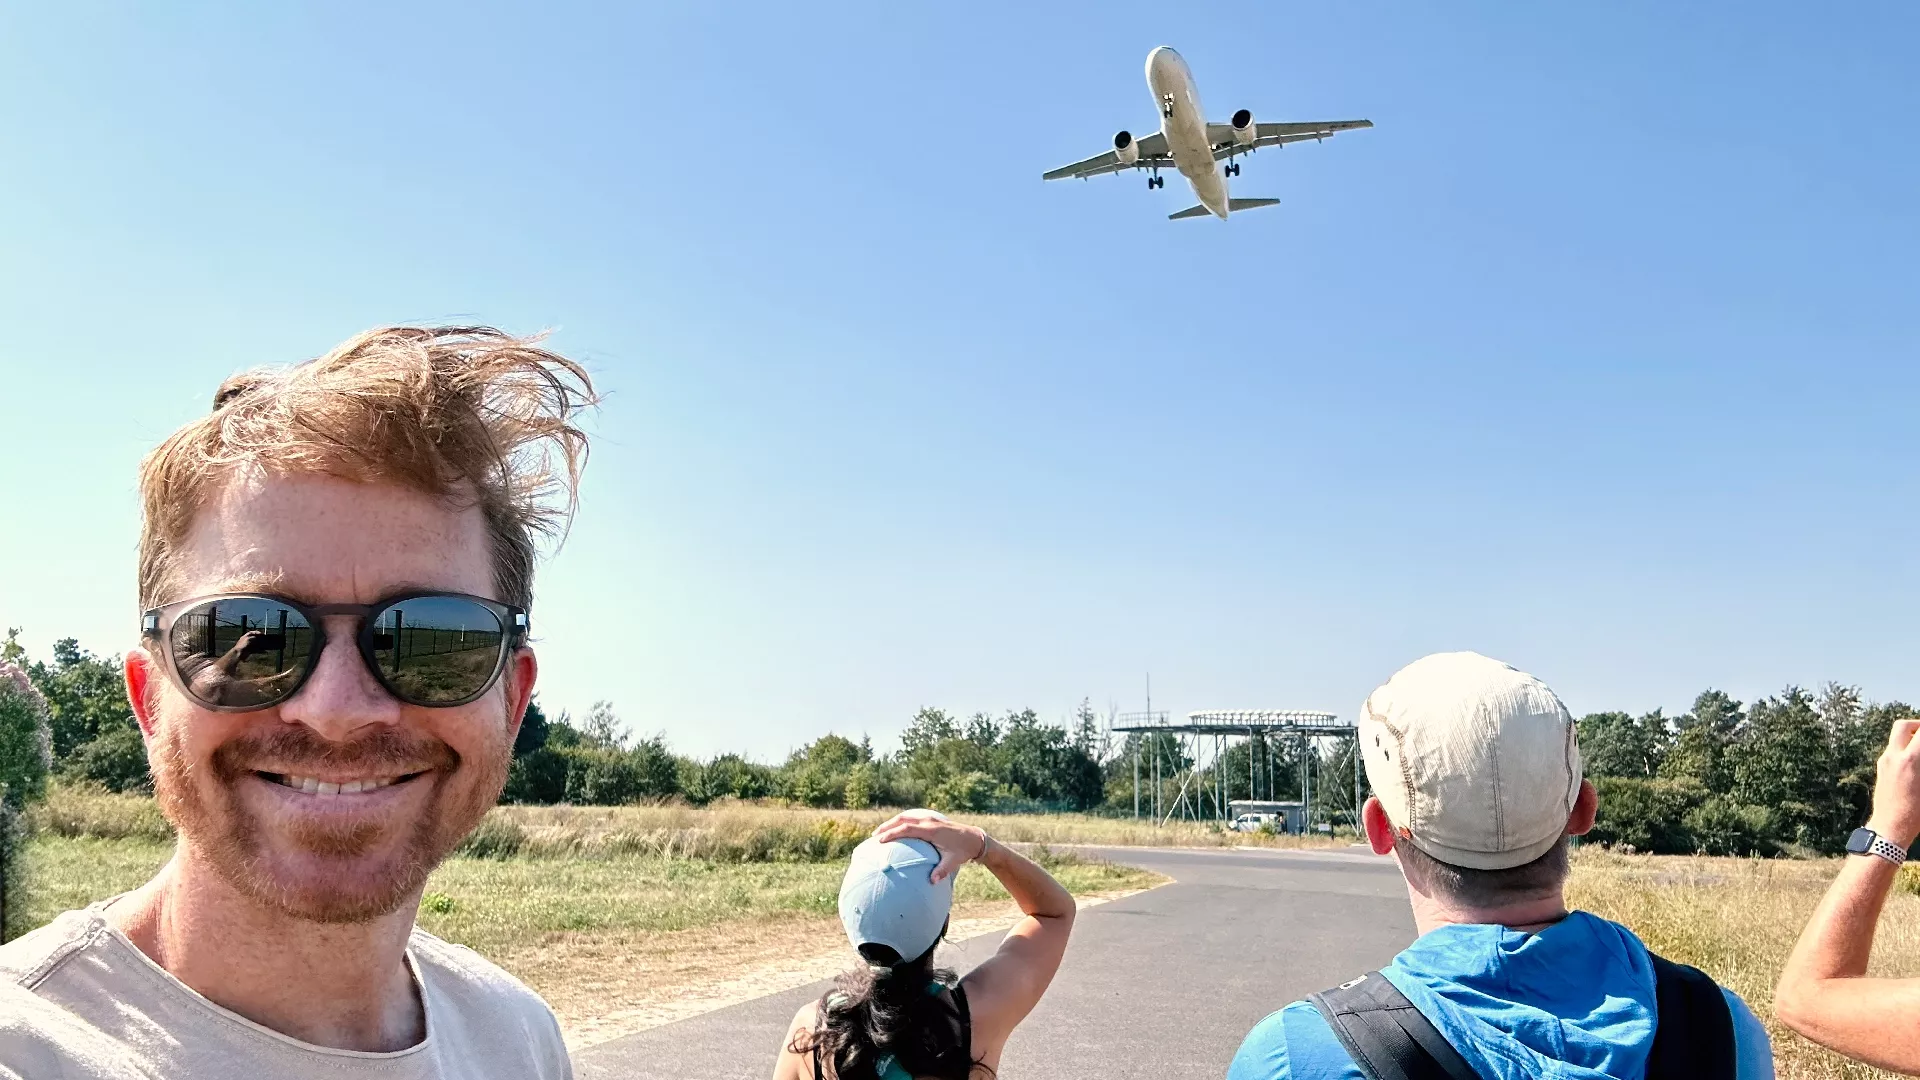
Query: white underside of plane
[[1195, 148]]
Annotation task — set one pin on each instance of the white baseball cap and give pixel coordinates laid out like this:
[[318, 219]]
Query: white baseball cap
[[1476, 763], [888, 896]]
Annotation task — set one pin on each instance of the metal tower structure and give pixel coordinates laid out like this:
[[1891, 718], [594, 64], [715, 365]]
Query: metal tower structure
[[1201, 743]]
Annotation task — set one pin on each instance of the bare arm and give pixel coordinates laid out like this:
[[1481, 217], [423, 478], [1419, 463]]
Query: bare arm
[[791, 1065], [1824, 993], [1005, 987], [232, 657]]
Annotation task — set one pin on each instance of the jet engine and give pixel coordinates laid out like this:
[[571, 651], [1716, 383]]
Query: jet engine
[[1125, 148], [1244, 129]]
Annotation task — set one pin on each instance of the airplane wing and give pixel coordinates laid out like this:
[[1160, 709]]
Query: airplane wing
[[1153, 155], [1221, 135]]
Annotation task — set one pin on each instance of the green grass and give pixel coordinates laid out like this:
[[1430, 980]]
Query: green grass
[[493, 904], [593, 933], [61, 873]]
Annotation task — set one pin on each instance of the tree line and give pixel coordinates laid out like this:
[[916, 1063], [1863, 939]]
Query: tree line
[[1013, 762], [1786, 774]]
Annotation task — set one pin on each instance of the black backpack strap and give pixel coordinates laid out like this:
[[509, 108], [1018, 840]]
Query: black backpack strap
[[1385, 1035], [1693, 1037]]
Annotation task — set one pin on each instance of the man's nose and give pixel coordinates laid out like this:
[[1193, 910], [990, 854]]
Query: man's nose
[[341, 696]]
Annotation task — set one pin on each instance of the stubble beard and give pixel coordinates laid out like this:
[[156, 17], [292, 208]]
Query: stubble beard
[[218, 830]]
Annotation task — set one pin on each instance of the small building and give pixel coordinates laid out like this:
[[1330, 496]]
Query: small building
[[1288, 817]]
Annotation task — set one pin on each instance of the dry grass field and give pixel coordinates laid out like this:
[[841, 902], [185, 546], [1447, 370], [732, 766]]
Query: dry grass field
[[745, 832], [634, 916], [620, 927], [725, 831], [1737, 919]]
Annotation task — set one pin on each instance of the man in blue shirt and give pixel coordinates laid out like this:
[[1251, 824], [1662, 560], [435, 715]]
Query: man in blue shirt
[[1477, 784]]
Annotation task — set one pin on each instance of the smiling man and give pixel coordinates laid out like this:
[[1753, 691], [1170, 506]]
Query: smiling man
[[335, 571]]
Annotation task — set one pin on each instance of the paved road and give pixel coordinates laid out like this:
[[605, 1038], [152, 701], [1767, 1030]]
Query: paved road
[[1161, 984]]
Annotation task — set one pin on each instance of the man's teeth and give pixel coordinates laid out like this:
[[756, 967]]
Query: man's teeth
[[352, 787]]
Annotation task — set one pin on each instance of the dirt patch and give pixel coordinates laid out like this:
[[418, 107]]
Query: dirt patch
[[605, 986]]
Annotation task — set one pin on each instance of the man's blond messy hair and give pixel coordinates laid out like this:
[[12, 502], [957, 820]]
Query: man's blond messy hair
[[467, 413]]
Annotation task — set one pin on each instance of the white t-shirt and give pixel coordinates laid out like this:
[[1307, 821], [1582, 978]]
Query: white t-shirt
[[79, 1001]]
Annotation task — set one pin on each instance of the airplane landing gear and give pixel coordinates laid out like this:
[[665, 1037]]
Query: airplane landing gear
[[1166, 105], [1233, 169], [1156, 182]]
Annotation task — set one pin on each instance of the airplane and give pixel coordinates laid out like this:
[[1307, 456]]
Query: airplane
[[1188, 143]]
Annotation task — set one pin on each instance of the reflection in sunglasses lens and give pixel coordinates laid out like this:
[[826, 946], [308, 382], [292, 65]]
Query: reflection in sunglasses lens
[[240, 652], [437, 649]]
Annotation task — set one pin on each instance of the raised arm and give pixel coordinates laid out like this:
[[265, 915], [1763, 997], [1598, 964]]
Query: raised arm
[[1824, 993], [1007, 985]]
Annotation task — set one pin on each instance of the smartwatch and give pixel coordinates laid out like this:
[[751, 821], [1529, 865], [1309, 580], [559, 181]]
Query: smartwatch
[[1868, 842]]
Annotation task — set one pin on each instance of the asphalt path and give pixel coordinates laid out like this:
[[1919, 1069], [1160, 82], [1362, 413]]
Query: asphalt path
[[1164, 983]]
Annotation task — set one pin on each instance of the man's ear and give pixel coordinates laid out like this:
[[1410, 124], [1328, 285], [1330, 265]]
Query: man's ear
[[1585, 806], [143, 685], [1379, 827], [522, 670]]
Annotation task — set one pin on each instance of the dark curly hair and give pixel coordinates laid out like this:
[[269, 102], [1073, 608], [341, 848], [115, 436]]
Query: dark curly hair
[[883, 1007]]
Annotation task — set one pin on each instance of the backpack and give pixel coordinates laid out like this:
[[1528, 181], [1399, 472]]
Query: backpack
[[1389, 1039]]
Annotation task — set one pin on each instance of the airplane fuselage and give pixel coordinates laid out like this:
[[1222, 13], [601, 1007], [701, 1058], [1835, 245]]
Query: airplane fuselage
[[1184, 124]]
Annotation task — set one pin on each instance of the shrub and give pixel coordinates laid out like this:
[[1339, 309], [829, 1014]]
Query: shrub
[[539, 776], [1721, 826], [601, 777], [85, 809], [728, 776], [12, 903], [860, 786], [117, 761], [658, 770], [967, 793], [1648, 814], [26, 740], [816, 785], [833, 838], [494, 838], [606, 776]]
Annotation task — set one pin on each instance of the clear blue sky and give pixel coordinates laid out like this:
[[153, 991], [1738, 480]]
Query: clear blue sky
[[1596, 354]]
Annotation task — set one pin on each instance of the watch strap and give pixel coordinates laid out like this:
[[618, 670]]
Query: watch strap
[[1886, 849]]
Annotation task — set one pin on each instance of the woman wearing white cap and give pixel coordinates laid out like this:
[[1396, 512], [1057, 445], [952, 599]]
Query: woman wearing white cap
[[897, 1017]]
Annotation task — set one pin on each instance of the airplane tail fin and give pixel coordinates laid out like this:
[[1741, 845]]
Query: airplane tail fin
[[1233, 206]]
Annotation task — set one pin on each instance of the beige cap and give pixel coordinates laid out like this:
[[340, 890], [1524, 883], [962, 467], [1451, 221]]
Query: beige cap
[[1476, 763]]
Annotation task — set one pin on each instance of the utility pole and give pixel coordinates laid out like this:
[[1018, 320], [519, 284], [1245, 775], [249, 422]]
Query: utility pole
[[1136, 778], [1252, 791], [1360, 831], [1156, 750], [1305, 807], [1307, 763]]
